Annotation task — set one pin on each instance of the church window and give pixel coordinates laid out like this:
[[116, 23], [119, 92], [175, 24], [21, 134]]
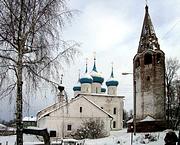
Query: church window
[[96, 90], [80, 109], [147, 58], [114, 124], [148, 78], [101, 107], [114, 111], [69, 127]]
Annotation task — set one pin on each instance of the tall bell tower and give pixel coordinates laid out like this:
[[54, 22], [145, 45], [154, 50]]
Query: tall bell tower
[[149, 74]]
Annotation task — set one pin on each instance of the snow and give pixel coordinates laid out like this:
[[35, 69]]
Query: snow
[[35, 128], [130, 121], [148, 118], [116, 138], [32, 118], [3, 127]]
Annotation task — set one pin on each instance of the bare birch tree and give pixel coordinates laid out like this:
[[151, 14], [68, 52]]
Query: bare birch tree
[[31, 47], [172, 66]]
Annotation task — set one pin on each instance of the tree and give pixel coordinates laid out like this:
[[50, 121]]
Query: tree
[[92, 128], [175, 104], [31, 47], [172, 66], [125, 118]]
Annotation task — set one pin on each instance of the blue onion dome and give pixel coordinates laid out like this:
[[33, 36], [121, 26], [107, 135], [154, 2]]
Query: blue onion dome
[[97, 77], [77, 87], [112, 81], [103, 90], [86, 78]]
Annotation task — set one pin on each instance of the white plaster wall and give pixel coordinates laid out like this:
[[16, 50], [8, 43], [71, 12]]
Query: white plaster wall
[[96, 88], [70, 114], [86, 88], [108, 103], [112, 90]]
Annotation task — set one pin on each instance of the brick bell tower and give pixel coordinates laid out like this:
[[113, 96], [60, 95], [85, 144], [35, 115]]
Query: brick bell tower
[[149, 74]]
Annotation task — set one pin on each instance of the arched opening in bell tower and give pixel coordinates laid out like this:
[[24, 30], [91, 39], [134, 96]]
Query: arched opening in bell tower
[[147, 58]]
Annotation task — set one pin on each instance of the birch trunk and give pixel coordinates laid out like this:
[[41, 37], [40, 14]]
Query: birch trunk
[[19, 102]]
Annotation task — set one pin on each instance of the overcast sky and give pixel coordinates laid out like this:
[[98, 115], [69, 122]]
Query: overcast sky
[[112, 28]]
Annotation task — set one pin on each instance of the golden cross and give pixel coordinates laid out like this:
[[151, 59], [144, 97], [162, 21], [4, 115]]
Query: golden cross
[[94, 53], [86, 60], [61, 78]]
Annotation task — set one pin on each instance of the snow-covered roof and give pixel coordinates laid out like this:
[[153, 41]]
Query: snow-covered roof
[[147, 118], [56, 107], [31, 118], [99, 95], [2, 126], [130, 121]]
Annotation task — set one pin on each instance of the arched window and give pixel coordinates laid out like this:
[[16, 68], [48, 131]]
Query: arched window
[[80, 109], [96, 90], [114, 111], [147, 58], [114, 124]]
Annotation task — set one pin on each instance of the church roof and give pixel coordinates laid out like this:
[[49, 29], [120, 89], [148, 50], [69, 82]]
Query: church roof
[[86, 78], [97, 77], [103, 90], [148, 118], [112, 81], [148, 39], [57, 106], [77, 87]]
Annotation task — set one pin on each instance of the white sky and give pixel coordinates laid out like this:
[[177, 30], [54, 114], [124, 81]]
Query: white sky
[[112, 28]]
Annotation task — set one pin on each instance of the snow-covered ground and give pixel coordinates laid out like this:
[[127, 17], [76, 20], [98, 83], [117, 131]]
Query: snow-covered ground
[[124, 138], [116, 138]]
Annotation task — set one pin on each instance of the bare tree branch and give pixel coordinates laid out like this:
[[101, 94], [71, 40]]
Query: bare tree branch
[[31, 46]]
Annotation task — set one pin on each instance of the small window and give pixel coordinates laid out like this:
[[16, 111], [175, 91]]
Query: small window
[[147, 59], [114, 111], [80, 109], [101, 107], [96, 90], [52, 133], [148, 78], [69, 127], [114, 124]]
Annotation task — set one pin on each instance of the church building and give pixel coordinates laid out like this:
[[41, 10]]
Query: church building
[[90, 101], [149, 75]]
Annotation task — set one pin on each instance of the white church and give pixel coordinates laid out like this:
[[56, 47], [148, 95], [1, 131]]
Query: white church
[[90, 101]]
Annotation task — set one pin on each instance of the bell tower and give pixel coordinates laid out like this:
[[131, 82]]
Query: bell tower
[[149, 74]]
